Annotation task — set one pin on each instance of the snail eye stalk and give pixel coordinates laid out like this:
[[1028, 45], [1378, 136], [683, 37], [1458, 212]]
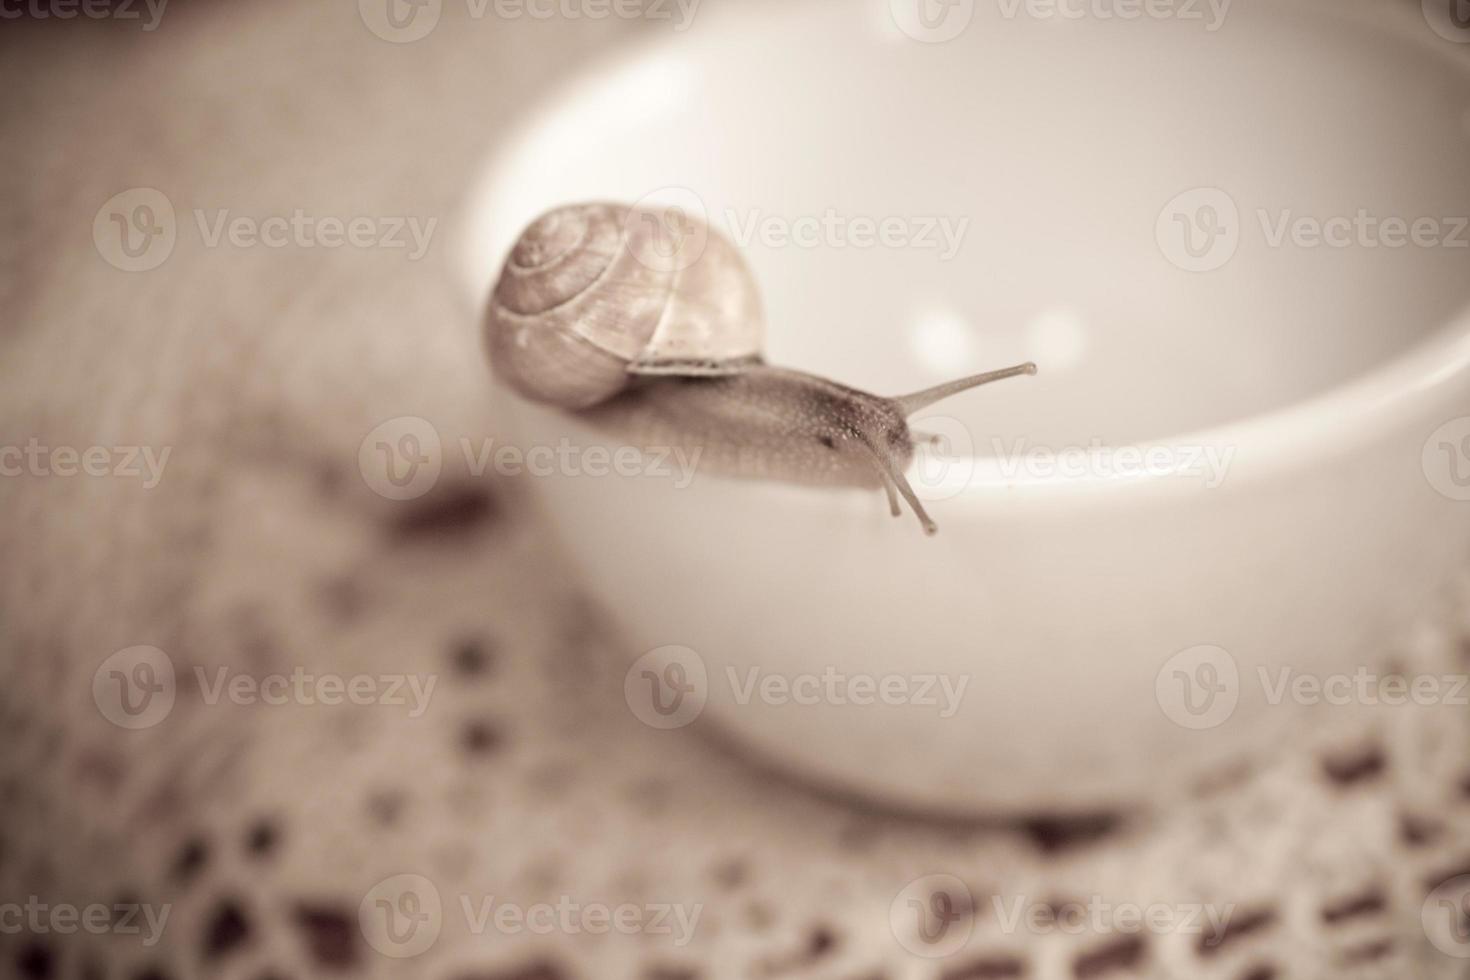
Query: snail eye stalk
[[909, 404]]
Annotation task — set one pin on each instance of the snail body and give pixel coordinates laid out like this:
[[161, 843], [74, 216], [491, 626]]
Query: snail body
[[651, 324]]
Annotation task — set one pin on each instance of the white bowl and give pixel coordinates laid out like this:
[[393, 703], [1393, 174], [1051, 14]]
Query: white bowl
[[1082, 608]]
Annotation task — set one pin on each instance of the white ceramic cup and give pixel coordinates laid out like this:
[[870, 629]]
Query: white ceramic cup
[[1246, 451]]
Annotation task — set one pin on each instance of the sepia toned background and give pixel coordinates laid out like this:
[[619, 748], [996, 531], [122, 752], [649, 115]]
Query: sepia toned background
[[267, 838]]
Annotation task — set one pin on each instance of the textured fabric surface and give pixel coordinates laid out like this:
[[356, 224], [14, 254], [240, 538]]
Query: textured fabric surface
[[266, 829]]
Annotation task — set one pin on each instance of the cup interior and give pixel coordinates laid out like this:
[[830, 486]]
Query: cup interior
[[1031, 172]]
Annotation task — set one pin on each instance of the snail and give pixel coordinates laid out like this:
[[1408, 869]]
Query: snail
[[650, 323]]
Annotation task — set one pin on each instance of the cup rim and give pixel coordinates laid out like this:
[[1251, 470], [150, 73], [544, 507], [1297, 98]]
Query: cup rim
[[1411, 385]]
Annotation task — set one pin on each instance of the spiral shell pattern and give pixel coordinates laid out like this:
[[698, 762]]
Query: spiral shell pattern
[[594, 294]]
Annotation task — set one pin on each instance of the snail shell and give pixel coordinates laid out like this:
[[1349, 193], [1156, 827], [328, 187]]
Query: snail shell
[[594, 295]]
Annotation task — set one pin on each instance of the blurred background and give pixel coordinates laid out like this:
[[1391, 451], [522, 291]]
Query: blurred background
[[261, 720]]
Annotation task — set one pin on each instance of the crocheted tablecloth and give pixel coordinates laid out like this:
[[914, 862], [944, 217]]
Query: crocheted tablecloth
[[236, 837]]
